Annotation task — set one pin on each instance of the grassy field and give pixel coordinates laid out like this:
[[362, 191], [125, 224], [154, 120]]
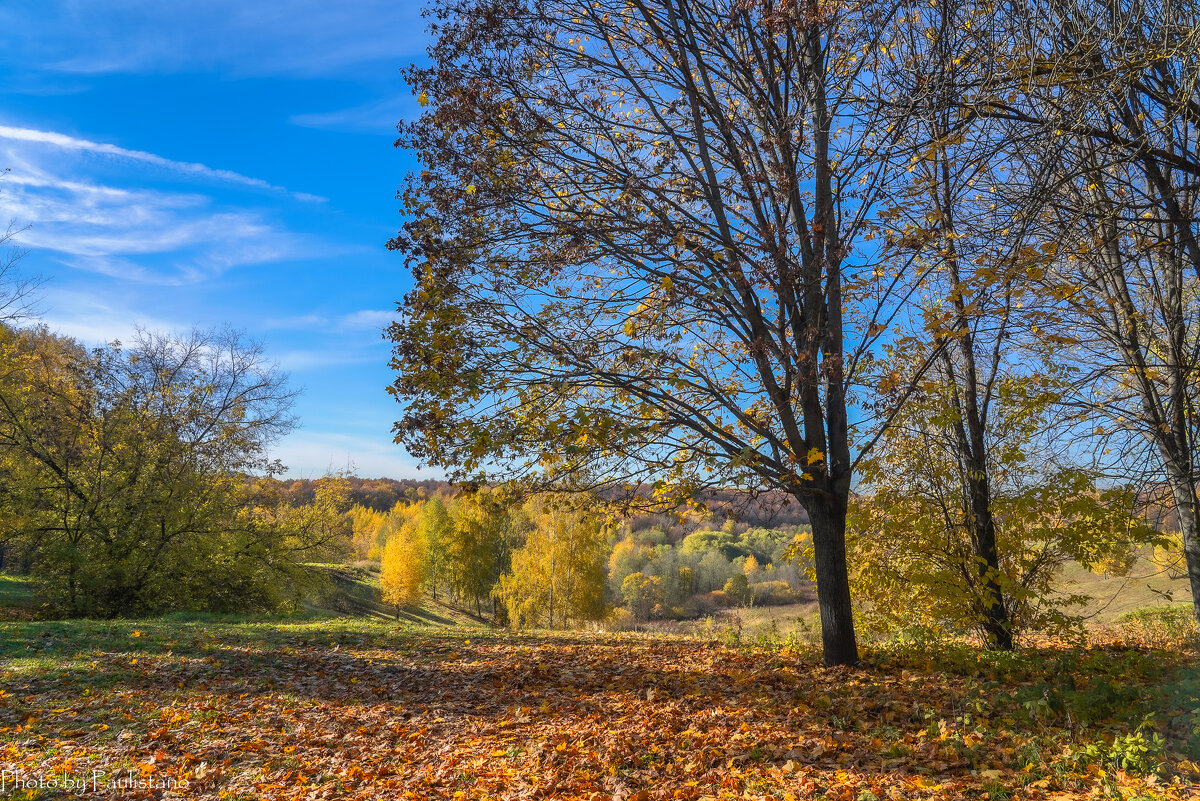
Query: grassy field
[[368, 708], [1114, 596], [16, 597]]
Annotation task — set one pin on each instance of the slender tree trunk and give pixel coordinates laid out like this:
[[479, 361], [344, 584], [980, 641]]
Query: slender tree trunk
[[997, 623], [970, 430], [1189, 529], [71, 586]]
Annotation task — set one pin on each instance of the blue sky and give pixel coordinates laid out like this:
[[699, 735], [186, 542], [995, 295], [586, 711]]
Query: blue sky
[[201, 163]]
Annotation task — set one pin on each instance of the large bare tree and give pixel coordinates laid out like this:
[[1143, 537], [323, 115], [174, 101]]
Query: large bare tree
[[639, 237]]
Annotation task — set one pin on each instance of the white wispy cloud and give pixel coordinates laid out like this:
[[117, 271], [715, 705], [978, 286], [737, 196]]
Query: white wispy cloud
[[104, 230], [368, 319], [361, 320], [65, 142], [299, 322], [108, 221], [378, 116], [301, 360], [265, 37], [95, 320]]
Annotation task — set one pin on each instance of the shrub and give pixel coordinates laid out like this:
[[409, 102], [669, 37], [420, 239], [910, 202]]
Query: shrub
[[773, 593], [642, 594], [708, 603], [622, 619], [1160, 624], [1140, 751]]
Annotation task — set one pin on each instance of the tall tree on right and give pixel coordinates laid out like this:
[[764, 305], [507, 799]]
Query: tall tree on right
[[1106, 94]]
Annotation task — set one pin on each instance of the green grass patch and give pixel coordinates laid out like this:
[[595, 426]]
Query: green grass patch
[[16, 591]]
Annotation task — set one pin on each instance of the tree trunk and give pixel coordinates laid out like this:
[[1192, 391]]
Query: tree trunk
[[71, 587], [1188, 512], [970, 429], [996, 622], [828, 519]]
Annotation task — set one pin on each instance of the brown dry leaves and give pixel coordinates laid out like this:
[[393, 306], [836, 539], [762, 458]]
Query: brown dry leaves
[[326, 712]]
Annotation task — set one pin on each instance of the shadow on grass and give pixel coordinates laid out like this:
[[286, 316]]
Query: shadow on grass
[[417, 614]]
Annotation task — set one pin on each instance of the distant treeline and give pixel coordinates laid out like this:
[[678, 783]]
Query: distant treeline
[[376, 494], [766, 509], [557, 561], [759, 510]]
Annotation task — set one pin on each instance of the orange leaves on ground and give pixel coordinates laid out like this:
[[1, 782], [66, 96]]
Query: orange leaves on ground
[[384, 715]]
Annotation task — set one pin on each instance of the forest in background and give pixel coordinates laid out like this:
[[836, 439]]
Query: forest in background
[[138, 484]]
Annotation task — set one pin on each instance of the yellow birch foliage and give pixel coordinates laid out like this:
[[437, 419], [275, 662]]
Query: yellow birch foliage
[[558, 575], [366, 524], [403, 567]]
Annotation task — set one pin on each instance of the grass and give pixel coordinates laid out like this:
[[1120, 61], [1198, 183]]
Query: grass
[[355, 591], [15, 591], [1114, 596], [357, 704], [800, 620], [347, 591], [17, 598], [1114, 600]]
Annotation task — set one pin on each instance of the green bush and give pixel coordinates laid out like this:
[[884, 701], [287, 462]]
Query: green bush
[[1140, 751], [1160, 623], [738, 588]]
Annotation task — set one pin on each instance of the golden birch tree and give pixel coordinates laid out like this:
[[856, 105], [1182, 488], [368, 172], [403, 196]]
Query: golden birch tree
[[402, 568]]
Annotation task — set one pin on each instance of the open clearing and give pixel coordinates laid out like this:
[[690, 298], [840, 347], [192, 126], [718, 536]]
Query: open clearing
[[357, 709]]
